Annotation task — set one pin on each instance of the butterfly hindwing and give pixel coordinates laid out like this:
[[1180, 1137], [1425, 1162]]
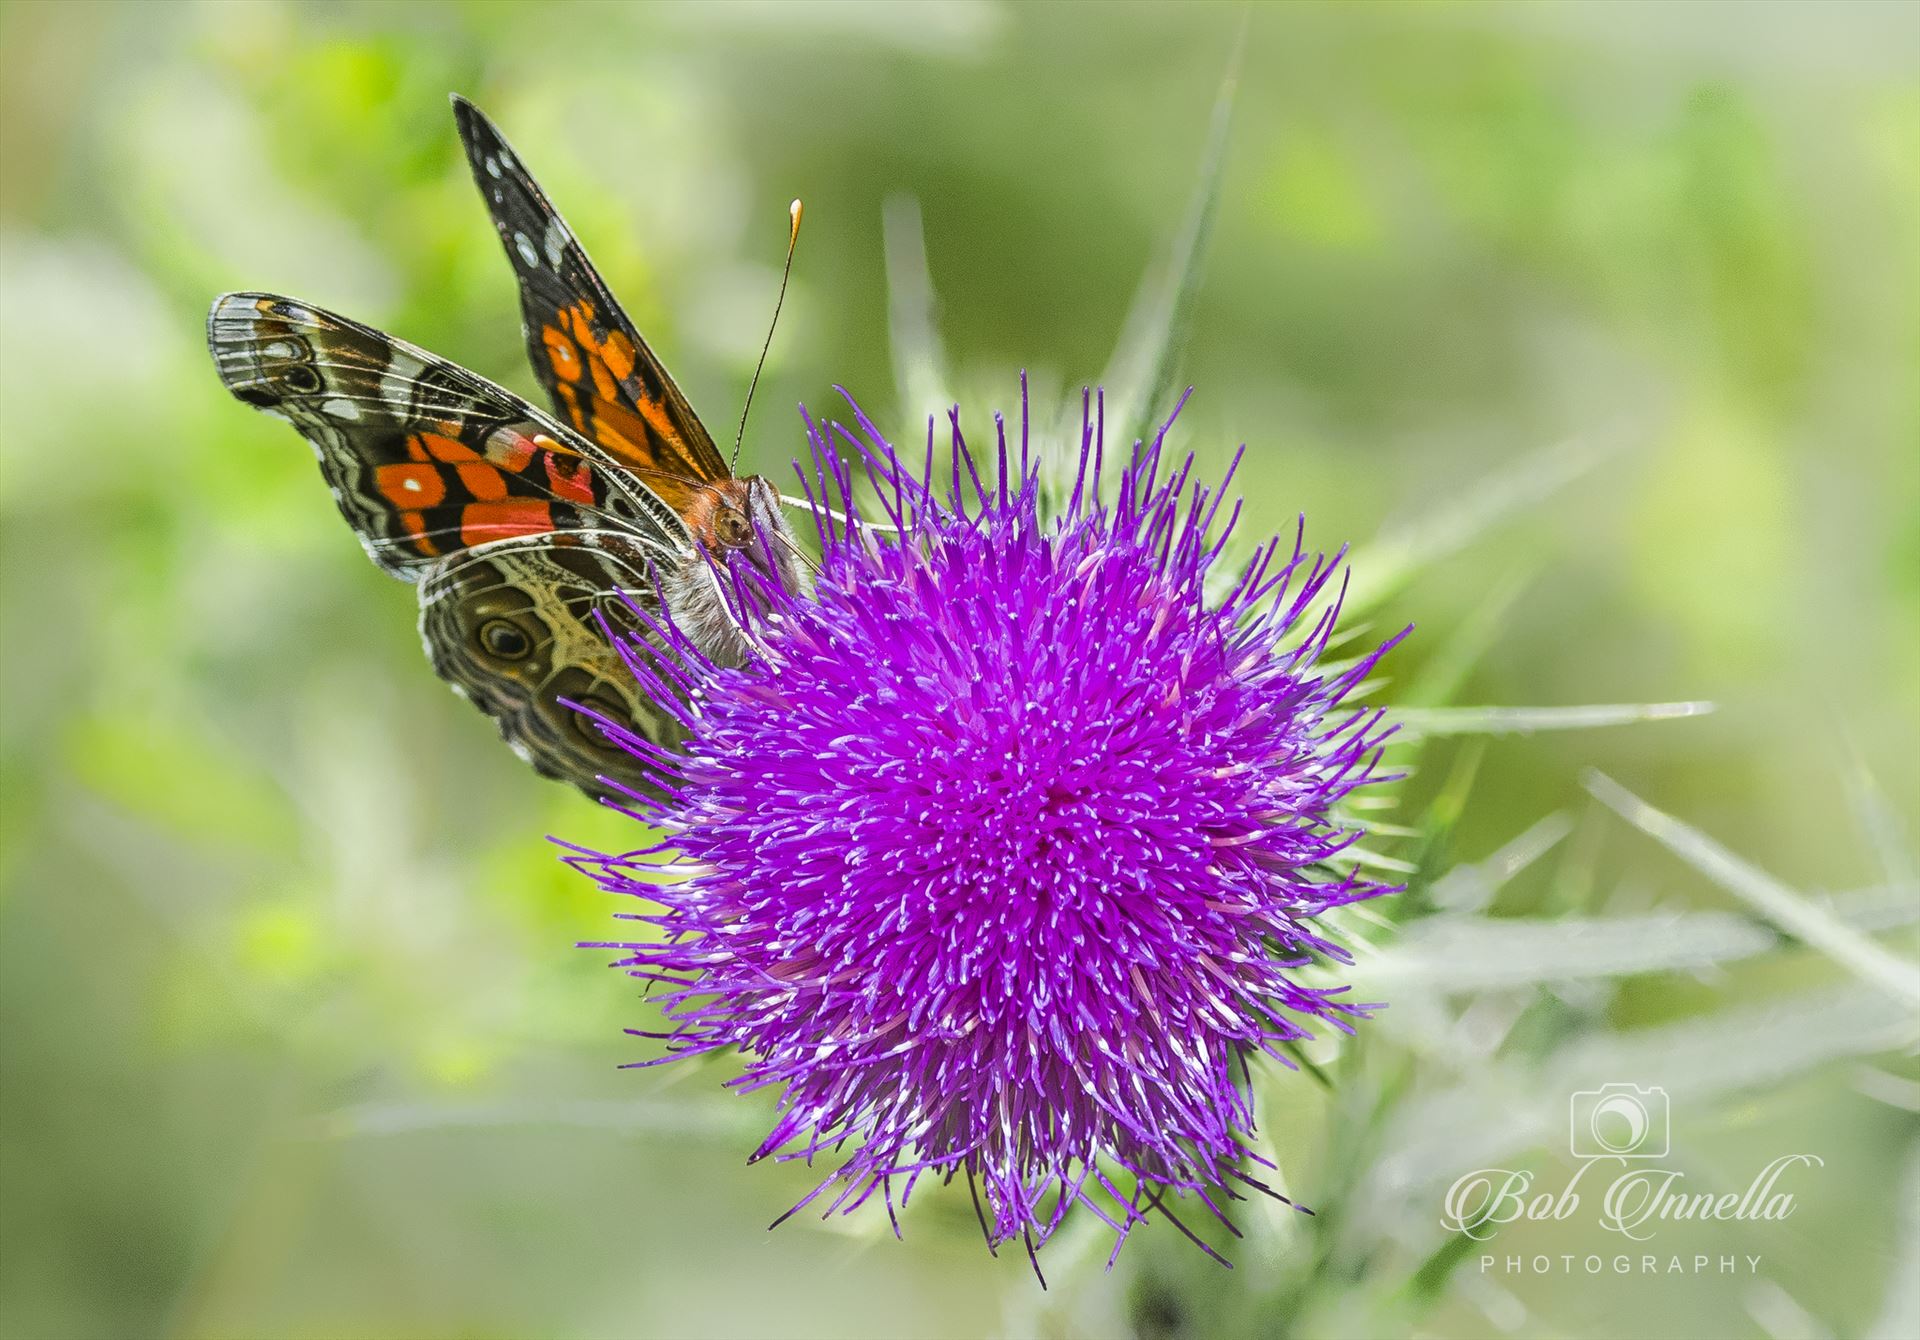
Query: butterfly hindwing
[[514, 626], [604, 380], [424, 458]]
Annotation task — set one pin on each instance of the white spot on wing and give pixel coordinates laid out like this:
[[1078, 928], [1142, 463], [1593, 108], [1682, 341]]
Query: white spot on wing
[[556, 242], [340, 409], [525, 248], [396, 383], [493, 167]]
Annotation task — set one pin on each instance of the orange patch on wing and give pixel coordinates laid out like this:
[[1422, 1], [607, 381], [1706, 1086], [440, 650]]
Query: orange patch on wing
[[443, 448], [416, 526], [620, 430], [660, 461], [410, 486], [648, 439], [609, 357], [660, 423], [619, 353], [574, 412], [483, 481], [602, 379], [484, 521], [561, 354]]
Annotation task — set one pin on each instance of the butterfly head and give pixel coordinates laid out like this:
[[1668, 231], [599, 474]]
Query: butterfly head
[[742, 516]]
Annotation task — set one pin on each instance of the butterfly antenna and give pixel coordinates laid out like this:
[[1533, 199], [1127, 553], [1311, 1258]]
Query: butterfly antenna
[[793, 236]]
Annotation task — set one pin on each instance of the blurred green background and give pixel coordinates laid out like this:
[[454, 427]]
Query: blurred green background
[[295, 1041]]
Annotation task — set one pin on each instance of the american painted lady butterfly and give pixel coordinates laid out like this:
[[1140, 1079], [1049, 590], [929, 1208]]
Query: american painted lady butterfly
[[519, 527]]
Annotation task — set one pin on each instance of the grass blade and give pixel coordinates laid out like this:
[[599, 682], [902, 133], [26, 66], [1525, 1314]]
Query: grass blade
[[1140, 375], [1384, 565], [1471, 885], [1443, 674], [1790, 911], [1878, 821], [1459, 954], [1436, 721], [1900, 1309], [920, 373]]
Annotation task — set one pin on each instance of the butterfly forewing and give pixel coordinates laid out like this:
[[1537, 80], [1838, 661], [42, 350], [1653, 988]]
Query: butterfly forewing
[[425, 458], [604, 380]]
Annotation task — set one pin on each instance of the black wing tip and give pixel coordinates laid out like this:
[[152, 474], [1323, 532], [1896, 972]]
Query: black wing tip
[[477, 132], [465, 114]]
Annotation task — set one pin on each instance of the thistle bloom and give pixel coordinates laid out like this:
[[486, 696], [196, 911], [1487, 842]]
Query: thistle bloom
[[1001, 855]]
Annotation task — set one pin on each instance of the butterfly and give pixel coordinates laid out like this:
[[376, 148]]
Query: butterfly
[[527, 534]]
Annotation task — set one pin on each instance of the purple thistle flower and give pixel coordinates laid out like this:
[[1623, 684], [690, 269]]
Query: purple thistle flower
[[1001, 854]]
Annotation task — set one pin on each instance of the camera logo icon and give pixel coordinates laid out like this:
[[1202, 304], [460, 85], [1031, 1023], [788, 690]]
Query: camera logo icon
[[1620, 1121]]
